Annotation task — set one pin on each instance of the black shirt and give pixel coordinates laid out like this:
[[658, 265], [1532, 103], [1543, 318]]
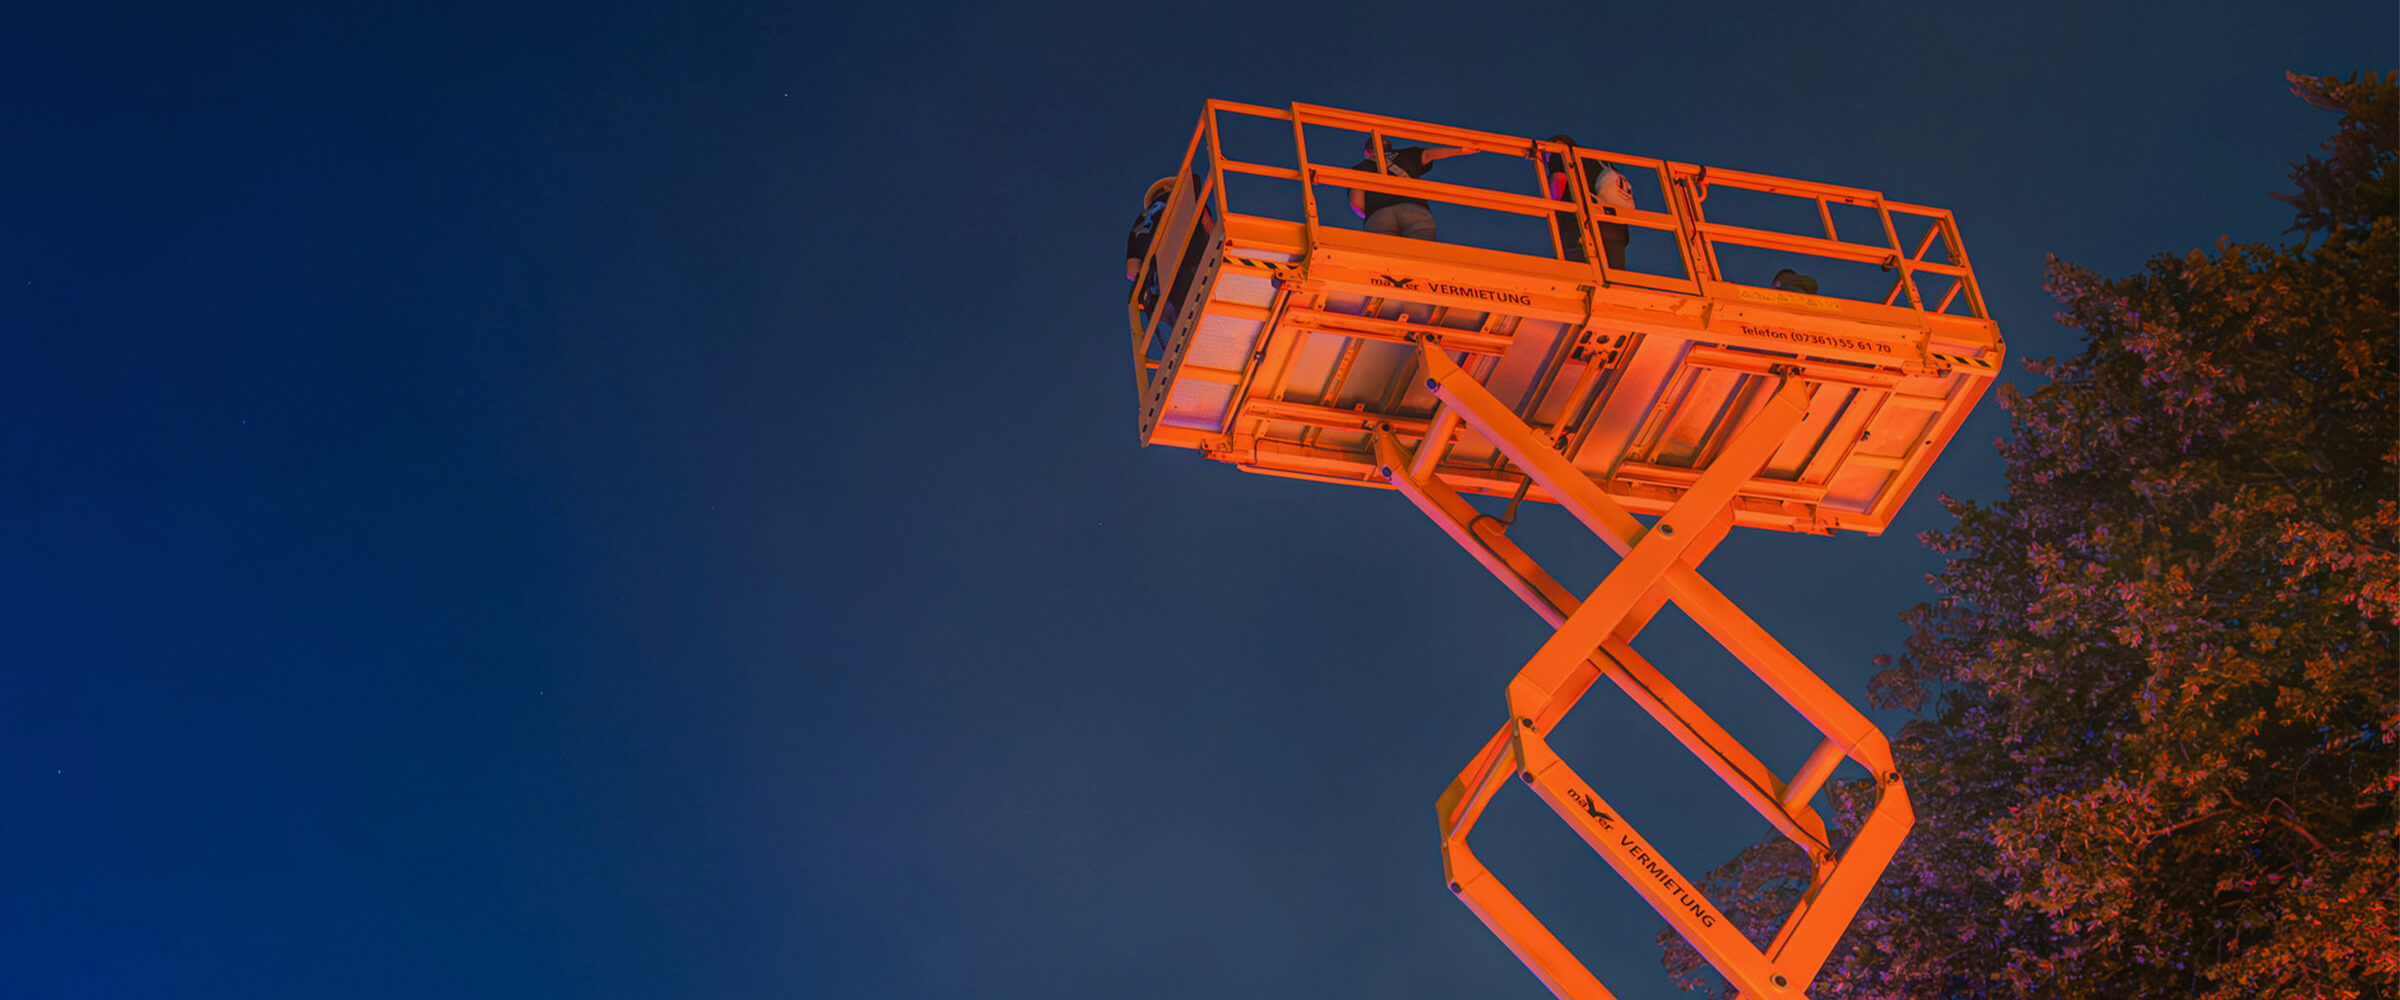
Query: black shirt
[[1409, 162], [1613, 235], [1145, 229]]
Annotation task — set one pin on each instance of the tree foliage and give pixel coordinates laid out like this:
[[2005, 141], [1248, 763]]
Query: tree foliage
[[2155, 755]]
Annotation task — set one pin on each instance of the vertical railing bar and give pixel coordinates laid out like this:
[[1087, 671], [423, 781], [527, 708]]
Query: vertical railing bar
[[1894, 294], [1935, 228], [1308, 182], [1716, 268], [1827, 215], [1693, 217], [1665, 173], [1684, 233], [1958, 256], [1381, 158], [1216, 166], [1908, 276], [1594, 254], [1541, 177]]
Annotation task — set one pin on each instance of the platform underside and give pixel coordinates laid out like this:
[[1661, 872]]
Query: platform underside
[[1287, 354]]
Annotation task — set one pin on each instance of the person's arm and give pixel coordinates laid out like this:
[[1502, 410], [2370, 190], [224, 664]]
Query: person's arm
[[1446, 152], [1133, 266], [1358, 196]]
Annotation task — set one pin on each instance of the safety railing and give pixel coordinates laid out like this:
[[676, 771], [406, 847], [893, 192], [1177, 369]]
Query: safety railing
[[1163, 275], [1885, 253]]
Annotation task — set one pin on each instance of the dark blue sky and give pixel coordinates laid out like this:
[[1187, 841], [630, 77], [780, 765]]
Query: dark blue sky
[[640, 503]]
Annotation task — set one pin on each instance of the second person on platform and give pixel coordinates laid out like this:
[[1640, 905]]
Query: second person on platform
[[1400, 215]]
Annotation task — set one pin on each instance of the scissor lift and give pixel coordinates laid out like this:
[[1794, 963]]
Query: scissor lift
[[1265, 337]]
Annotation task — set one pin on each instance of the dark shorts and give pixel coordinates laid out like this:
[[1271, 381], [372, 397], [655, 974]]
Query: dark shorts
[[1406, 219]]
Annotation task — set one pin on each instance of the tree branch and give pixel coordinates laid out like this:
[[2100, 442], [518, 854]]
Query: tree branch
[[2296, 827]]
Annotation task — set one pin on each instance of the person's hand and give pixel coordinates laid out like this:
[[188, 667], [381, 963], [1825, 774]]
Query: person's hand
[[1468, 147]]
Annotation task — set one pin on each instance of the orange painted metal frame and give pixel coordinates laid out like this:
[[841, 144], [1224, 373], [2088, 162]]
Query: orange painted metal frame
[[1660, 560], [1304, 258], [1593, 640]]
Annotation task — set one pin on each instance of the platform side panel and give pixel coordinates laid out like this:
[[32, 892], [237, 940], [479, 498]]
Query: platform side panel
[[1198, 405], [1187, 320]]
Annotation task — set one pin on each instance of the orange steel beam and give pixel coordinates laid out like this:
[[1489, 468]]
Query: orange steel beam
[[1604, 517], [1615, 659], [1592, 641]]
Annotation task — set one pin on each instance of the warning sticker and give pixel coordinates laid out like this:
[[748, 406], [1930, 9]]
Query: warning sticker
[[1783, 298]]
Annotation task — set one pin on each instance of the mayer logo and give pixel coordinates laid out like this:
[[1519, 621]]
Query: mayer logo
[[1445, 288], [1592, 809]]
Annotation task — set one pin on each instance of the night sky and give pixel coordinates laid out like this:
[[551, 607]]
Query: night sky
[[642, 502]]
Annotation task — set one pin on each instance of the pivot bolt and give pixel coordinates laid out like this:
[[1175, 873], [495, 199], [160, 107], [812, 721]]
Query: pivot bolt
[[1779, 981]]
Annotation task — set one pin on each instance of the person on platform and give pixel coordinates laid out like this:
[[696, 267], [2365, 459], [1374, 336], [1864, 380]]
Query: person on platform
[[1138, 241], [1145, 225], [1609, 190], [1400, 215], [1794, 281]]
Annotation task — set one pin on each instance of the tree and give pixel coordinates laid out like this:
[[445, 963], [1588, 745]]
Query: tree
[[2156, 748]]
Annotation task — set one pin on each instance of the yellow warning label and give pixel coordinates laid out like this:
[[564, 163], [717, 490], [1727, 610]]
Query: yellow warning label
[[1783, 298]]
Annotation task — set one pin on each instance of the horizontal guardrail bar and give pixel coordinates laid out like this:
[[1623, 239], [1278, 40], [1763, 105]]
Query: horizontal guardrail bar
[[1260, 170], [1257, 110], [1814, 246], [1359, 121], [1771, 184], [1451, 194]]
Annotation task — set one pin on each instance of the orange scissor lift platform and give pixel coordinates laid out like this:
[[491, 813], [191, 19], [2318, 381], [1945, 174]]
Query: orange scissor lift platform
[[1680, 387]]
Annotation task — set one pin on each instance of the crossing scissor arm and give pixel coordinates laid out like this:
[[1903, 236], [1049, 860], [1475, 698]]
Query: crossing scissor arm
[[1592, 640]]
